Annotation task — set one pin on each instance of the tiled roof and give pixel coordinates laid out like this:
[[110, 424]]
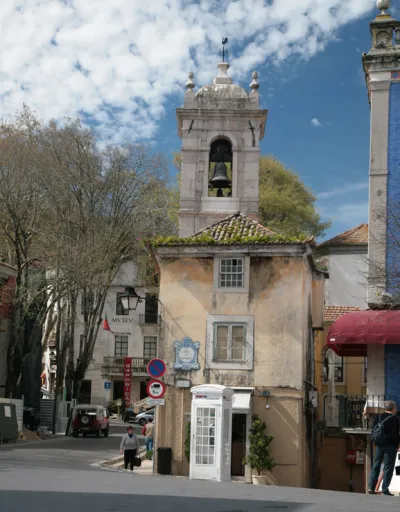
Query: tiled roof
[[234, 230], [355, 236], [332, 313], [235, 225]]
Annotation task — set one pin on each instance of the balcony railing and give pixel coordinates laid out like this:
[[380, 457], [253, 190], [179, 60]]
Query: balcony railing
[[149, 319], [346, 411], [115, 365]]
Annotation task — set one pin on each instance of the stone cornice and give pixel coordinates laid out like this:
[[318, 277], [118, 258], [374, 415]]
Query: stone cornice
[[202, 113], [296, 250]]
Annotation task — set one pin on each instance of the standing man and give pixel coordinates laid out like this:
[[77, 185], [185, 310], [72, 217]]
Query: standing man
[[129, 447], [149, 435], [386, 433]]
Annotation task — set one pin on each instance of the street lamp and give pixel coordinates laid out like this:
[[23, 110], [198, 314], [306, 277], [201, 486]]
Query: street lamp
[[130, 299]]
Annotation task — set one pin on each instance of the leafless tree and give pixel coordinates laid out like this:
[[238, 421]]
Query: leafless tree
[[76, 211]]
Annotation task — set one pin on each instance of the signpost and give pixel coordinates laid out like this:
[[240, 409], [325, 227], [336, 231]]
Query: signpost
[[156, 368], [107, 387], [156, 389]]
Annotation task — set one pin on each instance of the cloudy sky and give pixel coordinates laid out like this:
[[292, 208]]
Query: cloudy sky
[[121, 65]]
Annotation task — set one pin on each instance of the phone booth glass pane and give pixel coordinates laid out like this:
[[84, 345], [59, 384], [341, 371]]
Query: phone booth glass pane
[[205, 436]]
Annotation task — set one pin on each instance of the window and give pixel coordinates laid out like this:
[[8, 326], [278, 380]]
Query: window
[[229, 341], [150, 347], [121, 346], [119, 307], [231, 273], [333, 367], [151, 309]]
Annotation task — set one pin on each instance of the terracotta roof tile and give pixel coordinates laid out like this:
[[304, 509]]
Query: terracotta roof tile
[[235, 225], [332, 313], [233, 230], [355, 236]]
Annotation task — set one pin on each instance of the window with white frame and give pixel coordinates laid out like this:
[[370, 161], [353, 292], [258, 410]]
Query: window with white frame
[[121, 345], [231, 273], [333, 367], [150, 347], [229, 342]]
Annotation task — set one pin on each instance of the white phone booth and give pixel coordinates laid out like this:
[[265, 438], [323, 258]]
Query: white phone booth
[[211, 433]]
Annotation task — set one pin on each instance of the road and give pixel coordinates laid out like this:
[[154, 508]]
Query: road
[[58, 473]]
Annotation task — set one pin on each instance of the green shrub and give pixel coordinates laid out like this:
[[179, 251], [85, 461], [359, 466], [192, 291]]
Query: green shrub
[[187, 443], [259, 457]]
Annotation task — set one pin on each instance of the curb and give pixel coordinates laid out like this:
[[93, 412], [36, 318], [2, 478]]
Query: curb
[[116, 461]]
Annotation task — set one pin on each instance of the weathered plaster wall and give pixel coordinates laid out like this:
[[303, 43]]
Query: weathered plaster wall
[[347, 283], [280, 310], [275, 301]]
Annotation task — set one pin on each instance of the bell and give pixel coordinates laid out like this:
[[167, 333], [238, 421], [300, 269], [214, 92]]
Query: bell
[[220, 178]]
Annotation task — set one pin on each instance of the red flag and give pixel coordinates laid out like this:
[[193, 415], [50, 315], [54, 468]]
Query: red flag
[[106, 325]]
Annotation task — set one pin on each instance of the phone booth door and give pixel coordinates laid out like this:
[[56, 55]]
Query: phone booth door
[[206, 429]]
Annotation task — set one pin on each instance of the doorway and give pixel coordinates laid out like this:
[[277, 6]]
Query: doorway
[[238, 444], [143, 389], [118, 390]]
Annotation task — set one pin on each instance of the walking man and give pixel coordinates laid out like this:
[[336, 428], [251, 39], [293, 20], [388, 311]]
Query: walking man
[[129, 447], [385, 434], [149, 435]]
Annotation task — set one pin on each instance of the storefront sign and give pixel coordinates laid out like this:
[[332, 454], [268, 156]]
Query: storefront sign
[[127, 380]]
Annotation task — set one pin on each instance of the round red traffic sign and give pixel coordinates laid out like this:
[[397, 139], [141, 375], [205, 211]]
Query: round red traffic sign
[[156, 389], [156, 368]]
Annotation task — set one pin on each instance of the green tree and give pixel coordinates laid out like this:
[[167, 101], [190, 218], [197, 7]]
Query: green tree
[[286, 204]]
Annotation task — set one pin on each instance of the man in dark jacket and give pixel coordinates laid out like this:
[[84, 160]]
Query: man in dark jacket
[[386, 453]]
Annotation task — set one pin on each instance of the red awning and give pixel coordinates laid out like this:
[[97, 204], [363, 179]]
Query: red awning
[[352, 332]]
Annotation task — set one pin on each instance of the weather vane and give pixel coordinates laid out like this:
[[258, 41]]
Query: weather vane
[[224, 51]]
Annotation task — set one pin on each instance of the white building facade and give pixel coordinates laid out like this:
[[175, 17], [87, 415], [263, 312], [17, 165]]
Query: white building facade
[[133, 334]]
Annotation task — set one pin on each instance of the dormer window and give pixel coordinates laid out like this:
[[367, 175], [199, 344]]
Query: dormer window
[[220, 169]]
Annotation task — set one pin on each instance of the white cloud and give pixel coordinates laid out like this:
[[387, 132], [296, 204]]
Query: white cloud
[[316, 122], [117, 61], [345, 189]]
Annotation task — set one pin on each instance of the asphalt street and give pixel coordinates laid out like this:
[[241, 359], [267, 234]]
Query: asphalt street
[[59, 473]]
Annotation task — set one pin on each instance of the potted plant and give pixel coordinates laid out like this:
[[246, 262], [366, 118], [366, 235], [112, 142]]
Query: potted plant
[[259, 457]]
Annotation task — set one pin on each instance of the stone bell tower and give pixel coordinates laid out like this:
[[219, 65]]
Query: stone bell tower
[[382, 70], [221, 126]]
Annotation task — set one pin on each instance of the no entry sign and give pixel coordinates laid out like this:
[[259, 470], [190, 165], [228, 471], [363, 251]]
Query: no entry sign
[[155, 389], [156, 368]]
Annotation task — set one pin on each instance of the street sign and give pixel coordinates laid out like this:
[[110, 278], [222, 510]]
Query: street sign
[[107, 385], [156, 401], [155, 389], [156, 368]]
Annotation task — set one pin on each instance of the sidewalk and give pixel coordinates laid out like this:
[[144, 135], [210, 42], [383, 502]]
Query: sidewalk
[[117, 464]]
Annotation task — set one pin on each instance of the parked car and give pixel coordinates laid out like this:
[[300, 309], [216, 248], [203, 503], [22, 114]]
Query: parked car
[[143, 417], [129, 416], [90, 419]]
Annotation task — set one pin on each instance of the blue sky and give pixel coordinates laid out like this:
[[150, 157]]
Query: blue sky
[[122, 64]]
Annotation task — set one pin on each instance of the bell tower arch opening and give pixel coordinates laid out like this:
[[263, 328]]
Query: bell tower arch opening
[[220, 168]]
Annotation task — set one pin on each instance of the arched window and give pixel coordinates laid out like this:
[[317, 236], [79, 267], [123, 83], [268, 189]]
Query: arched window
[[220, 169], [333, 367]]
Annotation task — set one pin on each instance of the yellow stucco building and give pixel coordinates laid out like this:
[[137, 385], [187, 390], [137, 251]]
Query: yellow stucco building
[[240, 304]]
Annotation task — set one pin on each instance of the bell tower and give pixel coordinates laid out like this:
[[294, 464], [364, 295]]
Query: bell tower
[[221, 126]]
